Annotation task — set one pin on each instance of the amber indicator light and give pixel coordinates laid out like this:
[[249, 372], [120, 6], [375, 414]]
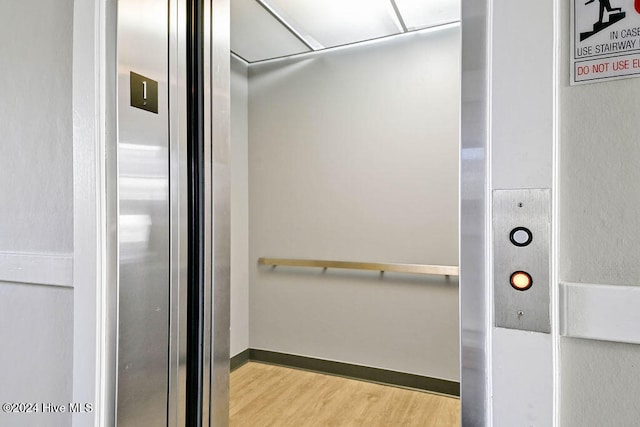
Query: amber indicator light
[[521, 280]]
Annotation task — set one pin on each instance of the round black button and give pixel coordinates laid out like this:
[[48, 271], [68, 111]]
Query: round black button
[[520, 236]]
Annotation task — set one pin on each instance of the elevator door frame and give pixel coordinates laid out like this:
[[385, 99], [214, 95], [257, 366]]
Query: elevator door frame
[[94, 220], [96, 215], [508, 376]]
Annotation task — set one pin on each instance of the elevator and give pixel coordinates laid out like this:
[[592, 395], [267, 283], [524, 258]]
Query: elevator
[[94, 267], [172, 204]]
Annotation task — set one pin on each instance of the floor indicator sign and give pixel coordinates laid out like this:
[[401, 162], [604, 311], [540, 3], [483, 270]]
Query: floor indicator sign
[[605, 39]]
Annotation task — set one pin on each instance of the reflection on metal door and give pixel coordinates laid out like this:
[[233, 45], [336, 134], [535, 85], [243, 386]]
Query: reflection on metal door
[[143, 162], [157, 69]]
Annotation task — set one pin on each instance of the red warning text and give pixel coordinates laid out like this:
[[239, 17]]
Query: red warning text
[[607, 67]]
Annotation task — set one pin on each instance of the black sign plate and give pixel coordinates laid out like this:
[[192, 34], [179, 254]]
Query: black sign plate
[[144, 92]]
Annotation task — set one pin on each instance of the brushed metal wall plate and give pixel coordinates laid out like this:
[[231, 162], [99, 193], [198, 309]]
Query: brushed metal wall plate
[[527, 310], [144, 92]]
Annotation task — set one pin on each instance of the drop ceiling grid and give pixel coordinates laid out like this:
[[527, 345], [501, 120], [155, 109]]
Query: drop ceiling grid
[[258, 35]]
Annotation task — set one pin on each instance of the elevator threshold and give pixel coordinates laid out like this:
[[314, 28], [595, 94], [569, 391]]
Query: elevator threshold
[[268, 395]]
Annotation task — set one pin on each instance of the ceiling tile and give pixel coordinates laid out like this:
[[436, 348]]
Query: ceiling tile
[[339, 22], [419, 14], [256, 35]]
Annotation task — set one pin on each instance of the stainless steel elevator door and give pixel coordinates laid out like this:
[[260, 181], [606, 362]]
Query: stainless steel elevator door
[[143, 196]]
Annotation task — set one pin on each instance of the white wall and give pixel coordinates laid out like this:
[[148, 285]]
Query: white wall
[[353, 155], [599, 229], [239, 208], [35, 131], [37, 350], [36, 230]]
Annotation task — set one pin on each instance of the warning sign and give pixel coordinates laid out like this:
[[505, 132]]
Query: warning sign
[[605, 40]]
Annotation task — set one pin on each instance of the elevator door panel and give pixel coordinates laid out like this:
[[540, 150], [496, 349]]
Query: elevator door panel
[[143, 193]]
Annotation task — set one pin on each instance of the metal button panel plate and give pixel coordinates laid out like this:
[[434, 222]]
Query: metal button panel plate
[[519, 216]]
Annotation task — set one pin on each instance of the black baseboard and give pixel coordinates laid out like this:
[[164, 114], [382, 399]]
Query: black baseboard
[[365, 373], [239, 360]]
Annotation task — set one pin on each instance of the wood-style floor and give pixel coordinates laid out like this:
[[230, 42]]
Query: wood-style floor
[[267, 395]]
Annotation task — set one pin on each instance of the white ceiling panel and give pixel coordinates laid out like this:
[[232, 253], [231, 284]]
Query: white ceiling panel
[[256, 35], [339, 22], [427, 13]]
